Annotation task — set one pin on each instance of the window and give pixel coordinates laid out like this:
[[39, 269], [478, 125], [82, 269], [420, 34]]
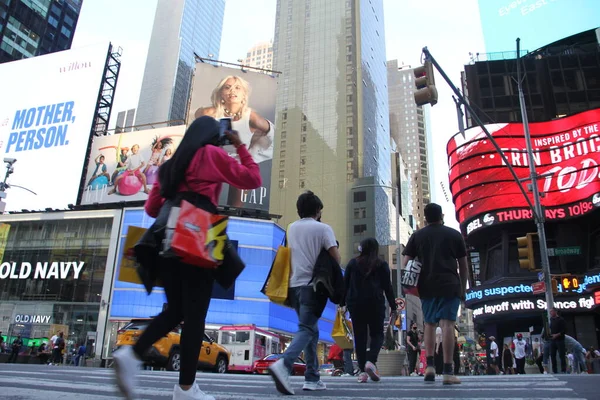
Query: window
[[281, 183], [360, 196], [282, 154], [303, 138], [284, 116], [283, 134], [350, 153], [360, 213], [360, 230], [349, 131], [65, 31], [282, 164], [302, 184], [302, 160], [281, 174]]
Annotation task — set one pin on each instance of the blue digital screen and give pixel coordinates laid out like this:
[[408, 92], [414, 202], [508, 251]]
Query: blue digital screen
[[257, 242], [537, 22]]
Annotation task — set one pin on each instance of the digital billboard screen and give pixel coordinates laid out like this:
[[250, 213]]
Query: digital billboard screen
[[566, 155], [537, 22], [46, 113], [248, 98], [124, 167]]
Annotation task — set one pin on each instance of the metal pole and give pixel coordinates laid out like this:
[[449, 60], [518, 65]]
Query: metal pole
[[481, 125], [539, 212]]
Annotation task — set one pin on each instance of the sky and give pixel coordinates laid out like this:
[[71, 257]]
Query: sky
[[450, 29]]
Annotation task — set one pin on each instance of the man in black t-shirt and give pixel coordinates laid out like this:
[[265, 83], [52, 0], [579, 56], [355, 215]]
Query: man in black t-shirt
[[558, 328], [412, 345], [440, 286]]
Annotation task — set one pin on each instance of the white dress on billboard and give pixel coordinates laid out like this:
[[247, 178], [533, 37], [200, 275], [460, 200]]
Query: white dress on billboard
[[262, 150]]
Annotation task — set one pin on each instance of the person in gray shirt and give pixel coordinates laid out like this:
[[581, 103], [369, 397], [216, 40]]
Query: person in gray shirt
[[578, 351]]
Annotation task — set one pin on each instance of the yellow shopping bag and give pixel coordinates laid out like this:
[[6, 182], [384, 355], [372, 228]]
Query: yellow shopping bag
[[278, 281], [341, 333], [128, 269]]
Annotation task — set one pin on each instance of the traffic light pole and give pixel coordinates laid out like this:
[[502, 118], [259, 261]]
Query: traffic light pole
[[535, 208], [539, 212]]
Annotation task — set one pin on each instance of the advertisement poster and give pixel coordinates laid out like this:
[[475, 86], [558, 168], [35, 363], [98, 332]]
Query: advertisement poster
[[4, 230], [124, 167], [566, 155], [46, 113], [248, 98]]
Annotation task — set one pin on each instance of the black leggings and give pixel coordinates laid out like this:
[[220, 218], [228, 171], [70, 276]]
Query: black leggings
[[365, 323], [188, 290]]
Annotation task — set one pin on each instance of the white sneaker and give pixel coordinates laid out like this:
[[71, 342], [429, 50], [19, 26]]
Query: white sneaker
[[127, 365], [545, 372], [371, 370], [194, 393], [319, 385], [281, 376], [413, 374]]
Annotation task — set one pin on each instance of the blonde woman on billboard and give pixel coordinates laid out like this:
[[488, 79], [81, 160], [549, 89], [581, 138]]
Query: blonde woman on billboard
[[230, 100]]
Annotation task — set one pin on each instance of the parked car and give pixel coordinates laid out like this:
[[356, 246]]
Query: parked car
[[261, 366], [166, 352], [329, 369], [326, 369]]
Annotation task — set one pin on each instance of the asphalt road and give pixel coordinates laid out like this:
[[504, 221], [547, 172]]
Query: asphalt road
[[25, 382]]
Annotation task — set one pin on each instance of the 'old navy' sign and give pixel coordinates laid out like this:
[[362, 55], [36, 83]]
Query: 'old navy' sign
[[32, 319]]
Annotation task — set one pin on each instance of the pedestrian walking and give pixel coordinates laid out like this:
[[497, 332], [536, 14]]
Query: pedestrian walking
[[412, 341], [15, 350], [520, 353], [57, 348], [508, 360], [195, 173], [348, 364], [440, 286], [558, 328], [575, 348], [368, 285], [494, 358], [306, 238]]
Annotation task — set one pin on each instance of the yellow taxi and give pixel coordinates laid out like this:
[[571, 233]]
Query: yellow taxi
[[166, 352]]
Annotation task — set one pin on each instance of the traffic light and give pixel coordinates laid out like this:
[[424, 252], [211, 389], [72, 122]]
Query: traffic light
[[525, 245], [425, 83], [554, 286]]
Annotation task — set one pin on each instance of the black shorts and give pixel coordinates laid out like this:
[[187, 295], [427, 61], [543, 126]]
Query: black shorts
[[493, 360]]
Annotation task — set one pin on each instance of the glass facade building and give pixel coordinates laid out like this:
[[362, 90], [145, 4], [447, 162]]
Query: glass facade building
[[53, 274], [332, 112], [30, 28], [183, 29], [408, 130]]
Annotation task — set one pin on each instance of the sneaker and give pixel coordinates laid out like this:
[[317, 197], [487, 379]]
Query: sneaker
[[363, 377], [281, 376], [193, 393], [371, 370], [430, 374], [451, 380], [347, 374], [545, 372], [127, 365], [318, 385], [413, 374]]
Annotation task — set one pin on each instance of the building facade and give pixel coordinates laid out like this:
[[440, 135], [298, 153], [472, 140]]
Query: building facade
[[260, 56], [332, 115], [408, 130], [125, 121], [33, 28], [182, 31]]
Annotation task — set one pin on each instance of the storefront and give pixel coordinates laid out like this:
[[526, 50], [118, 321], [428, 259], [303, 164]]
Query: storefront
[[54, 272]]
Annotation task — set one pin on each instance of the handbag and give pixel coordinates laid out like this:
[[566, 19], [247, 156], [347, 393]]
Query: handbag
[[231, 268], [341, 332], [277, 284], [197, 237]]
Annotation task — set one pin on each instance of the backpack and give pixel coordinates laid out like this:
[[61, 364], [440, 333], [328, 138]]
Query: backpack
[[60, 343]]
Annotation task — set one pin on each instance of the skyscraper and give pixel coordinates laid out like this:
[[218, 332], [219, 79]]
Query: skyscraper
[[332, 116], [260, 56], [34, 28], [183, 29], [408, 130]]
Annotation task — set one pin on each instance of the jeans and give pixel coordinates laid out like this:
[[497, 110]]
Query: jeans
[[188, 290], [13, 356], [558, 345], [309, 307], [412, 360], [348, 366], [367, 322], [579, 364]]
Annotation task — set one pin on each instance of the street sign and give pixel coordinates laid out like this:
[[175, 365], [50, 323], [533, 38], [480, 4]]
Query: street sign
[[539, 287], [564, 251], [400, 303], [541, 276]]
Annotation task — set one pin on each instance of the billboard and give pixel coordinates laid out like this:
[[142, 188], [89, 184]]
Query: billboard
[[249, 99], [566, 154], [537, 22], [124, 167], [47, 106]]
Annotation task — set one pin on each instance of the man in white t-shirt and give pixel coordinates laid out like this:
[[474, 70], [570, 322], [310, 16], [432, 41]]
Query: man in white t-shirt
[[520, 352], [306, 238], [494, 360]]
